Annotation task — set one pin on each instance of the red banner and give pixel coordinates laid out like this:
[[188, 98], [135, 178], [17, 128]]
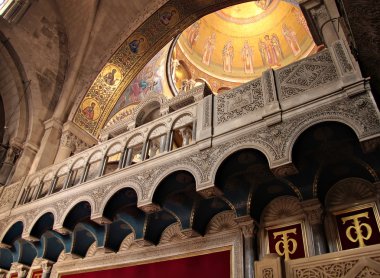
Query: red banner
[[215, 265]]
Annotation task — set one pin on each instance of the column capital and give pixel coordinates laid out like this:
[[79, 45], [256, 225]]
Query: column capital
[[314, 211]]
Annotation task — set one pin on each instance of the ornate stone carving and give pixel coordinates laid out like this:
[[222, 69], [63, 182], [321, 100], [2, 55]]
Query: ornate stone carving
[[92, 250], [367, 272], [306, 75], [127, 242], [282, 207], [222, 221], [10, 194], [268, 86], [344, 62], [172, 233], [150, 208], [339, 269], [267, 273], [239, 102], [206, 112], [349, 191]]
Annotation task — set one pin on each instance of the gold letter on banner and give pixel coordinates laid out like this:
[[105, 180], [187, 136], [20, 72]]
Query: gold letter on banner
[[285, 243], [357, 228]]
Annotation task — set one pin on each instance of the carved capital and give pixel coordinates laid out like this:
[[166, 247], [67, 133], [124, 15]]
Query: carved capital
[[248, 226], [101, 220], [209, 192], [285, 170], [150, 208], [314, 211]]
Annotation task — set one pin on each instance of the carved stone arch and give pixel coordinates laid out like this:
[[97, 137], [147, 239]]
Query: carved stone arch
[[11, 222], [80, 162], [235, 148], [157, 130], [281, 208], [129, 184], [35, 181], [135, 139], [51, 210], [48, 176], [114, 148], [95, 156], [194, 171], [153, 101], [350, 191], [222, 221], [86, 198], [307, 123], [62, 170], [183, 120]]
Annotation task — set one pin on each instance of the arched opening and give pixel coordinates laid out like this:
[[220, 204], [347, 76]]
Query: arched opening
[[149, 113], [13, 233], [247, 182], [43, 224], [326, 153], [81, 212], [126, 218]]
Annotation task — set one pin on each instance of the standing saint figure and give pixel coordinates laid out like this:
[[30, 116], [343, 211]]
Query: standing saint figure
[[247, 56], [270, 50], [208, 49], [228, 56], [291, 38], [193, 34]]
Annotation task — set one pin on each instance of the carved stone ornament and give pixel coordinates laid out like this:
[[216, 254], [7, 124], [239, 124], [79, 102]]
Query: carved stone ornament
[[222, 221], [267, 273], [338, 269], [281, 208], [350, 191], [172, 233], [150, 208]]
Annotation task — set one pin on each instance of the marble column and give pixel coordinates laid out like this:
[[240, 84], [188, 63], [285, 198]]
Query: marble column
[[248, 228], [314, 213]]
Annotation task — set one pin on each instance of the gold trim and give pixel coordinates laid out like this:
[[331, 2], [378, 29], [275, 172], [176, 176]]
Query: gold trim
[[304, 235], [372, 205], [164, 259]]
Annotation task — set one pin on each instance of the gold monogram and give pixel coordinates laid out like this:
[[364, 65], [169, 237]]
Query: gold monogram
[[357, 228], [285, 242]]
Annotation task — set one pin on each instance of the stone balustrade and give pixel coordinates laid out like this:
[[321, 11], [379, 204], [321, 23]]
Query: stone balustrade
[[267, 114]]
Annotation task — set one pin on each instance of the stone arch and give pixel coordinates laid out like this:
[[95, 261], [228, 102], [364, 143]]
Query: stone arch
[[95, 156], [130, 184], [51, 210], [114, 148], [11, 224], [234, 149], [80, 162], [152, 103], [62, 170], [308, 124], [175, 168], [182, 120], [75, 202], [157, 130], [135, 139]]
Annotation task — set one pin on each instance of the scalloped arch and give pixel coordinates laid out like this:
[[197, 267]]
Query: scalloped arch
[[38, 216], [75, 202]]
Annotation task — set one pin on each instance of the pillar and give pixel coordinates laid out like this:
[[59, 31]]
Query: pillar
[[249, 228], [11, 157], [314, 214]]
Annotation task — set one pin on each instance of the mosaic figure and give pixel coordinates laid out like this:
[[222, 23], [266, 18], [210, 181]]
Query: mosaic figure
[[270, 50], [192, 35], [89, 111], [208, 49], [291, 38], [247, 56], [228, 56]]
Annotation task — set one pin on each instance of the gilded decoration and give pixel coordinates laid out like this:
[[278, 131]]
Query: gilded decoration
[[243, 57]]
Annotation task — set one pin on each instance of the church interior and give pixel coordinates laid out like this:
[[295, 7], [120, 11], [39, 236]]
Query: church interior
[[176, 138]]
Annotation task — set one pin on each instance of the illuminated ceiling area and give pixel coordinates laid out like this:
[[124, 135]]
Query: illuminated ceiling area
[[151, 79], [224, 49], [236, 44]]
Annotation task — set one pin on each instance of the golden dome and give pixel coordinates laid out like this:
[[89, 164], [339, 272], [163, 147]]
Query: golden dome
[[236, 44]]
